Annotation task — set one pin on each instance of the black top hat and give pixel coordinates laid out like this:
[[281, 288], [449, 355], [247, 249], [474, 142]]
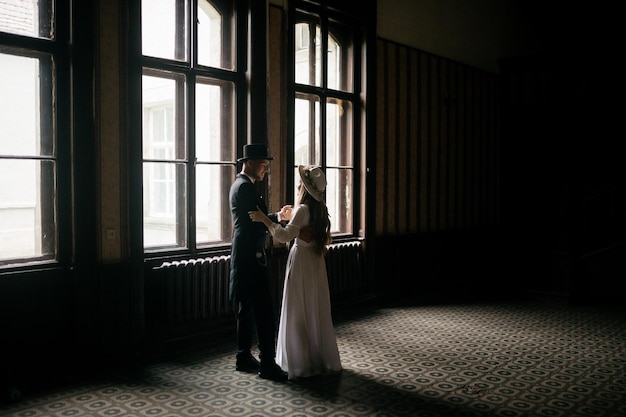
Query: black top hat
[[254, 151]]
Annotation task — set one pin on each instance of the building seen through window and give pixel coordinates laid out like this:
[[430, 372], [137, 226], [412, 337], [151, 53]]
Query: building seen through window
[[188, 133], [28, 139], [190, 113], [191, 97], [325, 102]]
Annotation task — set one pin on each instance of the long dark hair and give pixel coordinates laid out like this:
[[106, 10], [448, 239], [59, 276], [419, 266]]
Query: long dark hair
[[319, 220]]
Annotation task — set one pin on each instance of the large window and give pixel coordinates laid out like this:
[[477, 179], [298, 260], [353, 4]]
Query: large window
[[190, 83], [326, 104], [32, 55]]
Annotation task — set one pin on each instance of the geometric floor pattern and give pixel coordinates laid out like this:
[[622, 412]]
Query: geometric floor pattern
[[514, 359]]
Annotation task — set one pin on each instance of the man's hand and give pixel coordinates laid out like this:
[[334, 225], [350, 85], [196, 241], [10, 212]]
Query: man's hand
[[258, 216]]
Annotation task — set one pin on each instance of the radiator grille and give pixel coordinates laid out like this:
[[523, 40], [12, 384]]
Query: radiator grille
[[344, 263], [196, 289]]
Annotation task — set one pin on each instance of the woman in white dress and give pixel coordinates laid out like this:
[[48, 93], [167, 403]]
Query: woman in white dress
[[307, 345]]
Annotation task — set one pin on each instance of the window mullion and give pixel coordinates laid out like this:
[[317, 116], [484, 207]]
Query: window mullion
[[323, 133], [180, 47], [312, 52], [324, 55], [192, 31], [324, 97], [191, 160], [181, 156], [333, 101]]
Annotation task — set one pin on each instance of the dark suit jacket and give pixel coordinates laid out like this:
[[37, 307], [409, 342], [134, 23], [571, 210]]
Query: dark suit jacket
[[247, 270]]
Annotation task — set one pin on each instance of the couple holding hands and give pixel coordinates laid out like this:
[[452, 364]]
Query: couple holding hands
[[306, 343]]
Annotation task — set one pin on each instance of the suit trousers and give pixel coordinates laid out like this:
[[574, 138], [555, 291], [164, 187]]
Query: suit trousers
[[256, 312]]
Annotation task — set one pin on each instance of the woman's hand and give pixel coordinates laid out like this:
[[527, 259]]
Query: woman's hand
[[285, 212]]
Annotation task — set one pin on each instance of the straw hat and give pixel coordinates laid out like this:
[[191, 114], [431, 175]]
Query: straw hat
[[314, 180]]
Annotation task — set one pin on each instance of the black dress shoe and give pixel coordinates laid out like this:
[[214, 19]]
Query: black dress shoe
[[273, 372], [247, 364]]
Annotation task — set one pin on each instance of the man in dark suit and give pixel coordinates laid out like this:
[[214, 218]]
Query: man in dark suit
[[249, 276]]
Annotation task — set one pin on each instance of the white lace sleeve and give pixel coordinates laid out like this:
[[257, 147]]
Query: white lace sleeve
[[299, 219]]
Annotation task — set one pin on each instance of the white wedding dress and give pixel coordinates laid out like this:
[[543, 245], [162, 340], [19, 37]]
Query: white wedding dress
[[307, 344]]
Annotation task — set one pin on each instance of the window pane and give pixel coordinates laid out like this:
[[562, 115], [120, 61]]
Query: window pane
[[339, 199], [308, 45], [338, 132], [160, 139], [24, 90], [27, 186], [164, 204], [27, 214], [215, 35], [215, 121], [325, 54], [164, 28], [188, 122], [340, 60], [212, 184], [27, 17], [307, 147], [163, 139]]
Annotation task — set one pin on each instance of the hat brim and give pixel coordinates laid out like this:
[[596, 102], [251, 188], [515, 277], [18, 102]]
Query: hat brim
[[308, 184], [266, 158]]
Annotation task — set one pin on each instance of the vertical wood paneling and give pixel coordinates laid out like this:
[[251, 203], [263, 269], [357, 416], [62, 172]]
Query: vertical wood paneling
[[404, 170], [413, 150], [381, 129], [444, 165], [392, 141], [424, 160], [476, 155], [462, 148], [470, 139], [452, 110], [277, 107], [494, 147], [483, 150], [437, 145], [433, 138]]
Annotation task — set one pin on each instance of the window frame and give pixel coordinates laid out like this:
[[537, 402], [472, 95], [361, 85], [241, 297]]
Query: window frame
[[234, 71], [324, 10], [59, 221]]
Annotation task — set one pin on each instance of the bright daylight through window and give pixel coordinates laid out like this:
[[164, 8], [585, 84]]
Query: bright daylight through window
[[325, 105], [187, 166], [28, 160]]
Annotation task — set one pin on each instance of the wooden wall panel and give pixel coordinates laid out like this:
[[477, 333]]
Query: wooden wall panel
[[461, 161], [380, 138], [437, 143], [452, 160], [424, 159], [277, 102], [392, 137], [432, 110], [413, 145], [445, 167], [402, 144]]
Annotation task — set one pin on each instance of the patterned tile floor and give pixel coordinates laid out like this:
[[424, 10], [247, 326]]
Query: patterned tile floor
[[491, 359]]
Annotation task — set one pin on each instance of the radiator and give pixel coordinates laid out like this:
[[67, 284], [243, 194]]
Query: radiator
[[196, 289], [344, 263]]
